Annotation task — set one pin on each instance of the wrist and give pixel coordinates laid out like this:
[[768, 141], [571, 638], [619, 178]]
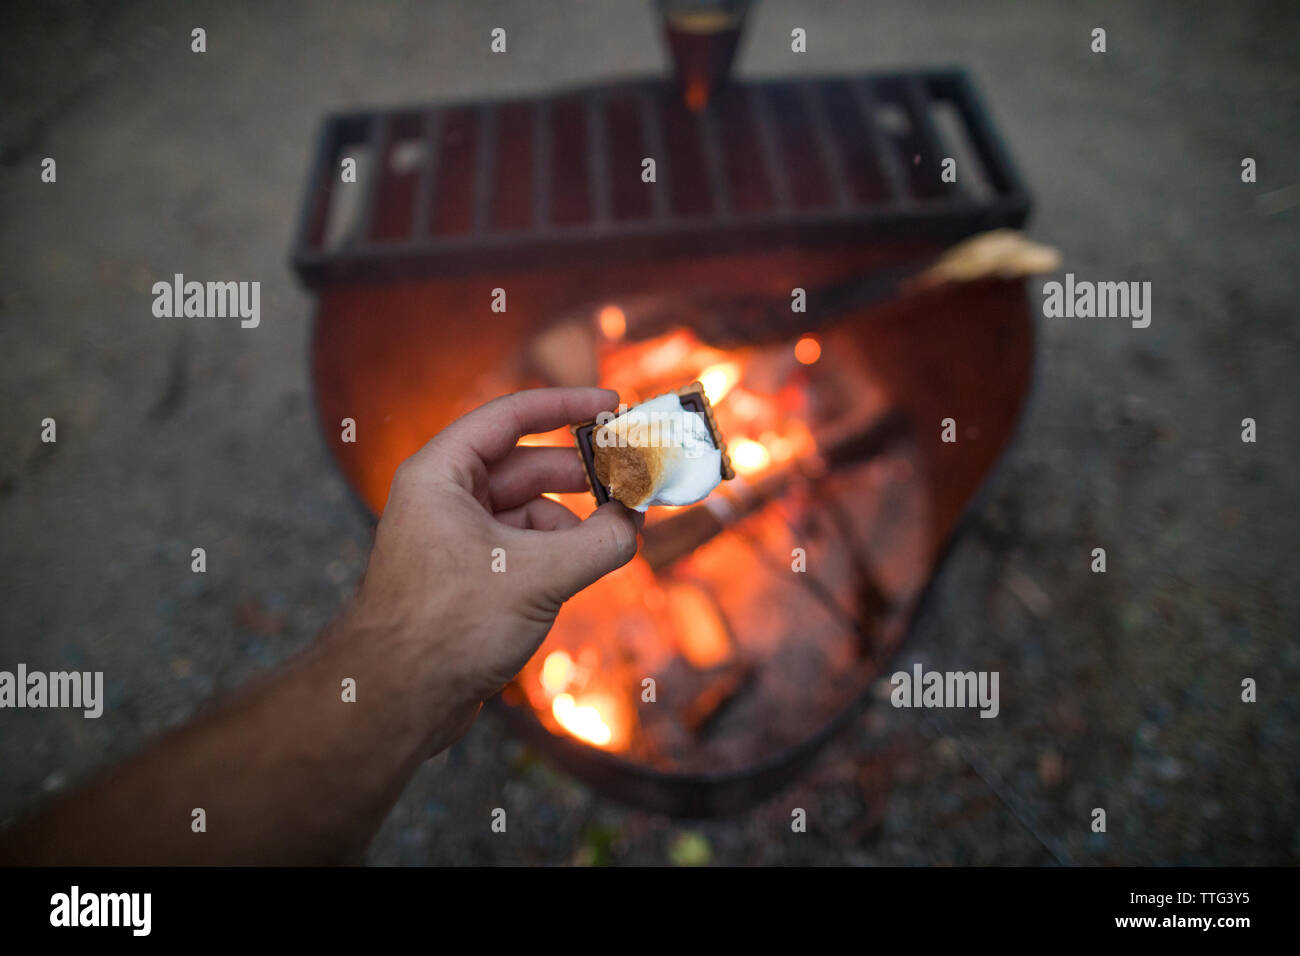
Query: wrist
[[398, 661]]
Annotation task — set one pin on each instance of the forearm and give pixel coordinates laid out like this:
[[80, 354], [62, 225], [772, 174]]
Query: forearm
[[289, 772]]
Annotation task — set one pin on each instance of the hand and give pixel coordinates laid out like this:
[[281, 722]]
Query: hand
[[431, 584]]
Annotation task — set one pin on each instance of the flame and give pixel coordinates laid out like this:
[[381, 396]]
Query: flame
[[583, 721], [613, 322], [702, 635], [719, 379], [749, 456], [597, 719], [663, 356], [584, 693], [557, 671], [778, 446], [807, 350], [748, 406]]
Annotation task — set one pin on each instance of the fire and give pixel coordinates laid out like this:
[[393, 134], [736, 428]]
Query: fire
[[652, 359], [719, 379], [702, 635], [749, 456], [557, 671], [587, 690], [583, 721], [596, 718], [778, 446]]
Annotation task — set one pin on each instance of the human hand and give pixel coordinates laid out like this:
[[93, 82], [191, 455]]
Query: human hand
[[461, 627]]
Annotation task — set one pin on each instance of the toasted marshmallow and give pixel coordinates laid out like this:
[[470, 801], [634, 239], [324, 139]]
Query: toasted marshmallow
[[657, 453]]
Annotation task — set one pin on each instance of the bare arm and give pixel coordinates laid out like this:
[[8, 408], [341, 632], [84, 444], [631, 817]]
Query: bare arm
[[290, 772]]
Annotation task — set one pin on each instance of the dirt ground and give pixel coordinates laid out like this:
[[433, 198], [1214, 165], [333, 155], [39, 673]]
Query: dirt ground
[[1119, 691]]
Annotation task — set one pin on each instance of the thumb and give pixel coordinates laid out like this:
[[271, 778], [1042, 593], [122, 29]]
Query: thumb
[[583, 554]]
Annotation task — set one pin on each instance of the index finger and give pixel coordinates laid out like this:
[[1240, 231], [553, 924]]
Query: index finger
[[492, 430]]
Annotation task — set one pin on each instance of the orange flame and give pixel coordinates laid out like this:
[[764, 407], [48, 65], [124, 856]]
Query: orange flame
[[557, 671], [749, 456], [719, 379], [583, 721]]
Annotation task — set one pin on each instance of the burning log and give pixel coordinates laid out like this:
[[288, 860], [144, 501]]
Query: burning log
[[673, 538]]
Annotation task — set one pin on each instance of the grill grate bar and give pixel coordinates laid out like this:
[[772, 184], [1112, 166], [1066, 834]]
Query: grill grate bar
[[890, 165], [651, 128], [320, 188], [769, 150], [542, 162], [653, 131], [998, 167], [598, 159], [826, 149], [712, 148], [485, 168], [916, 97], [379, 138], [432, 135]]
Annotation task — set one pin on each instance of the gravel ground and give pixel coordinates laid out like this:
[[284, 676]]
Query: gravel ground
[[1120, 691]]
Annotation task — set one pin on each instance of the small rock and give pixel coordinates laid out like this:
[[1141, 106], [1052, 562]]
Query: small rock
[[947, 750], [1170, 768], [1051, 768], [690, 849]]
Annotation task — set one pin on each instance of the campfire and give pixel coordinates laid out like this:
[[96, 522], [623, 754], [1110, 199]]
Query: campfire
[[749, 626], [709, 669], [676, 658]]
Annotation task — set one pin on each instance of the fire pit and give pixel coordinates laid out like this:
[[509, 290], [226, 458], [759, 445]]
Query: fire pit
[[700, 677]]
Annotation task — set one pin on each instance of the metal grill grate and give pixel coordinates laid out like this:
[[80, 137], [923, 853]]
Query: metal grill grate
[[490, 186]]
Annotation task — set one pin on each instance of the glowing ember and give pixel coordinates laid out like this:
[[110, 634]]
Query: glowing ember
[[807, 350], [749, 456], [658, 357], [719, 379], [557, 671], [584, 722], [613, 322]]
